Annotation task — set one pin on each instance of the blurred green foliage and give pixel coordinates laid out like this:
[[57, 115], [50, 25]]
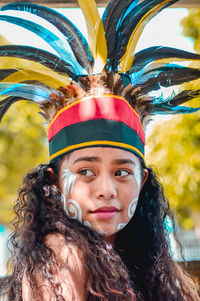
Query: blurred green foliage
[[174, 146]]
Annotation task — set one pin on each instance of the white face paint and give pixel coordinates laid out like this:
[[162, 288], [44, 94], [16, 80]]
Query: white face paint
[[68, 181], [63, 200], [86, 223], [73, 209], [101, 232], [137, 175], [132, 207], [121, 226], [81, 191], [131, 210], [133, 204]]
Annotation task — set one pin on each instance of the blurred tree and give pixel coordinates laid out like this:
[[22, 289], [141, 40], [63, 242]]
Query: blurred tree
[[174, 146], [22, 146]]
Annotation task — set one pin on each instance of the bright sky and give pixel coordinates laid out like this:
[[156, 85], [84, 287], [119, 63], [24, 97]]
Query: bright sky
[[164, 29]]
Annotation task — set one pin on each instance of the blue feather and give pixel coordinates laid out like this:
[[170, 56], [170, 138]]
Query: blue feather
[[112, 18], [28, 92], [131, 21], [73, 36], [57, 44], [165, 109]]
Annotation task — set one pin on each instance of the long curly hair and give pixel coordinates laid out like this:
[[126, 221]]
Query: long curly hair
[[138, 267]]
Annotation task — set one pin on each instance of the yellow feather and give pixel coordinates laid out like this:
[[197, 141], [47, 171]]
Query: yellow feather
[[45, 78], [127, 59], [34, 71], [96, 35]]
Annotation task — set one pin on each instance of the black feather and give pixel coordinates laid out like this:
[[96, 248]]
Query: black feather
[[6, 104], [6, 72], [132, 20], [111, 19], [74, 37], [37, 55], [169, 76], [148, 55]]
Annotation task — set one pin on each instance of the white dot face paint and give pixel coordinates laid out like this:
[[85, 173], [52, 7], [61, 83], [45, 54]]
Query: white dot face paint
[[121, 226], [102, 232], [88, 224]]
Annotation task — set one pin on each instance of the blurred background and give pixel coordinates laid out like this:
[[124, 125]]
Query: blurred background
[[173, 143]]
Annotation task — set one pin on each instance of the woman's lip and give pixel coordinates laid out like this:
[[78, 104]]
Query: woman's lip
[[105, 209], [105, 212]]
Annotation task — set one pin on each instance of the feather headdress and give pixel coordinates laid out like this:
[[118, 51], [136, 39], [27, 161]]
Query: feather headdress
[[105, 64]]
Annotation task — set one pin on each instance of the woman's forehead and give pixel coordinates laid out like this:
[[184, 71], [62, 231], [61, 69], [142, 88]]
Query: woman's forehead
[[101, 154]]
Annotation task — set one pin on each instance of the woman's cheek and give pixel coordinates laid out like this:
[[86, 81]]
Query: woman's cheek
[[74, 201], [129, 213]]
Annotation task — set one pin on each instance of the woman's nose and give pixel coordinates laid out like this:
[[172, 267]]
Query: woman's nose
[[105, 187]]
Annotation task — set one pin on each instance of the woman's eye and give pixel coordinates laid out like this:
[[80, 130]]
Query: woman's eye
[[122, 173], [86, 172]]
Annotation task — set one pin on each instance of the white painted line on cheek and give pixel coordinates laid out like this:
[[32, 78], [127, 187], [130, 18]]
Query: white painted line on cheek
[[137, 175], [68, 181], [132, 207], [63, 201]]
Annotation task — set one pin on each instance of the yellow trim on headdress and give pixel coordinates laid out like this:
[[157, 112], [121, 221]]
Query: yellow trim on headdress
[[93, 143]]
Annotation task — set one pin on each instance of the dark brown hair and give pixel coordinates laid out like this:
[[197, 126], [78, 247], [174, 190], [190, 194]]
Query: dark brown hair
[[138, 267]]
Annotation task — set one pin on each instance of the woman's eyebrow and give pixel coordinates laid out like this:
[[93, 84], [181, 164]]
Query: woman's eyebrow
[[90, 159], [123, 161]]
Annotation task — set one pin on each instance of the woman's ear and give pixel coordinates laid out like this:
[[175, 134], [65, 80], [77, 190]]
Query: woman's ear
[[145, 177], [52, 175]]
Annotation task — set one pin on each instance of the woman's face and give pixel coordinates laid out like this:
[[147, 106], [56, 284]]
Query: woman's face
[[100, 187]]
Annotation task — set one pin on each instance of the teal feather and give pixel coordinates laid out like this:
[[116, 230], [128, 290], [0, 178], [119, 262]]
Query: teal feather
[[73, 36], [112, 17], [54, 41], [130, 22], [167, 76], [24, 91]]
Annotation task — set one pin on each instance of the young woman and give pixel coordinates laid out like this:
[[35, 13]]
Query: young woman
[[90, 225]]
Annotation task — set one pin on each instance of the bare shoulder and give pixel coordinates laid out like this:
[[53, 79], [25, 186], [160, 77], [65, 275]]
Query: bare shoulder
[[70, 273], [67, 254]]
